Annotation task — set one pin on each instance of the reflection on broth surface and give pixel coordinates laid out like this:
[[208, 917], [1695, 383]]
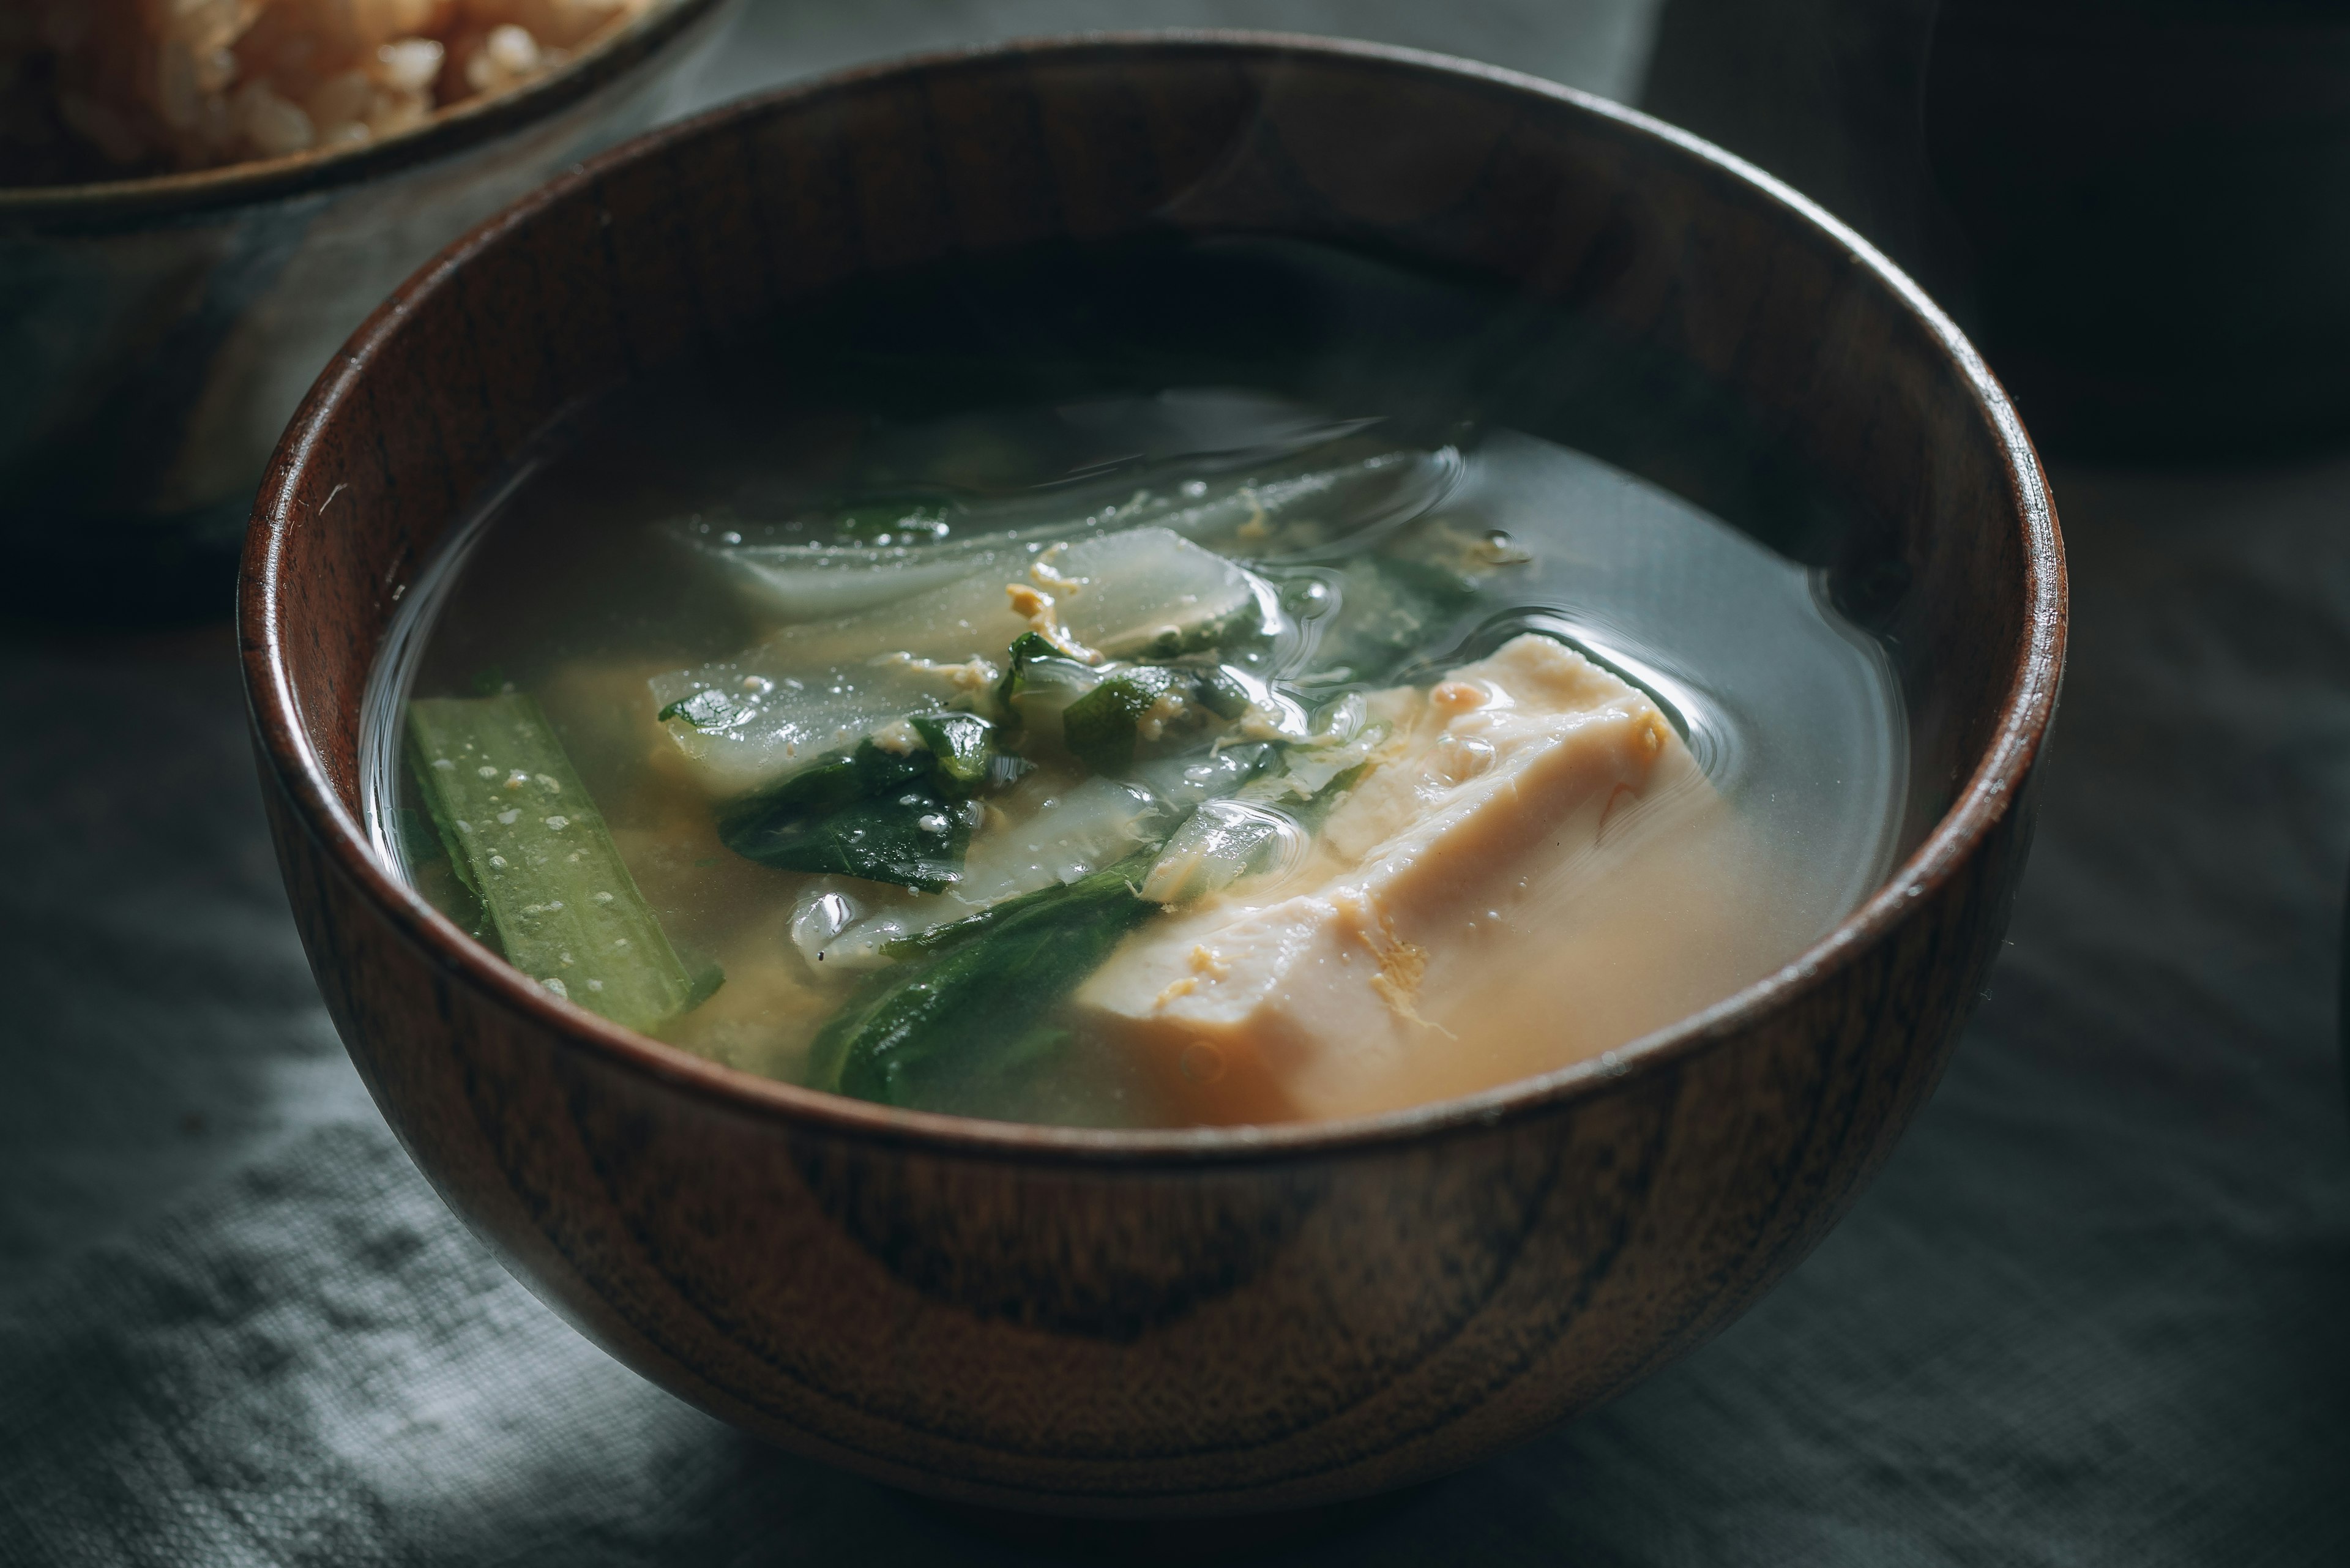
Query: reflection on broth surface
[[1185, 684]]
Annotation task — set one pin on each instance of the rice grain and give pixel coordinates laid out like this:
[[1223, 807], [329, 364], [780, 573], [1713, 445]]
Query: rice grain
[[95, 89]]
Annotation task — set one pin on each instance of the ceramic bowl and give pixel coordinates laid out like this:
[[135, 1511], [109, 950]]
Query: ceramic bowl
[[1180, 1323], [158, 332]]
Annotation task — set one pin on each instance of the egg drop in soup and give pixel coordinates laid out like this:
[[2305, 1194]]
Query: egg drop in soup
[[1190, 682]]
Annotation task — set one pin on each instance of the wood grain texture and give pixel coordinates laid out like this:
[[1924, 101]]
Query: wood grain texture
[[1175, 1323]]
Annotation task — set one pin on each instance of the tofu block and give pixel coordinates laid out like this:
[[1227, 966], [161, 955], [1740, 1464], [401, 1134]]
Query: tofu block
[[1311, 997]]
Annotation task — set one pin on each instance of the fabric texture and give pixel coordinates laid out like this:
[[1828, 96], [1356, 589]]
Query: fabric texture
[[2096, 1311]]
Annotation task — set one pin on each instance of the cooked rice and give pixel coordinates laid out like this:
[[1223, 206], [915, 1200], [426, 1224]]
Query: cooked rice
[[105, 89]]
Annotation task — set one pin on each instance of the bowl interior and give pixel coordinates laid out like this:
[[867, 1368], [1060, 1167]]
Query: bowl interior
[[1696, 325]]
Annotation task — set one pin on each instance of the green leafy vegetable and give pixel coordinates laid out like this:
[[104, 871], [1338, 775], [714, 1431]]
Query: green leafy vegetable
[[524, 836], [704, 710], [1100, 728], [1030, 645], [915, 839], [1222, 695], [938, 939], [445, 886], [1040, 682], [880, 812], [960, 744], [837, 779], [1218, 845], [977, 996], [1100, 713], [1225, 840]]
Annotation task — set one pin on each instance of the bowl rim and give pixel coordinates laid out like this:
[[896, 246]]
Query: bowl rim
[[1988, 794], [446, 132]]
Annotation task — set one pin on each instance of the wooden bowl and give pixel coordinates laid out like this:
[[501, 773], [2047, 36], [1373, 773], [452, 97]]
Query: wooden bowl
[[1186, 1323], [159, 331]]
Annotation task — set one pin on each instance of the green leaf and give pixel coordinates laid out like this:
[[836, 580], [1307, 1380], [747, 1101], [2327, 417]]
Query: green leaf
[[1031, 644], [884, 815], [960, 744], [1222, 695], [707, 710], [1040, 682], [704, 973], [915, 838], [1100, 728], [978, 996]]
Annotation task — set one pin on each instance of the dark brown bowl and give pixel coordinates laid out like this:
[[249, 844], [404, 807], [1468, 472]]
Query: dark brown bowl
[[1192, 1322]]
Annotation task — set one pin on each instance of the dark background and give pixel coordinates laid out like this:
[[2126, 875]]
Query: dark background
[[2097, 1310]]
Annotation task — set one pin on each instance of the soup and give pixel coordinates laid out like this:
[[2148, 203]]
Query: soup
[[990, 694]]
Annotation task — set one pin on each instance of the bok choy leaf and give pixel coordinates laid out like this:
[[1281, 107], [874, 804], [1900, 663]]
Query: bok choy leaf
[[972, 996]]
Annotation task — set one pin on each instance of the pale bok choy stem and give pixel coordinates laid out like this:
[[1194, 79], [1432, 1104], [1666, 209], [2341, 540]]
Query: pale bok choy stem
[[523, 834]]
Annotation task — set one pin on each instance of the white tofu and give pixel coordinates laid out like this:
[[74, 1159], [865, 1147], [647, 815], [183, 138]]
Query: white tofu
[[1310, 998]]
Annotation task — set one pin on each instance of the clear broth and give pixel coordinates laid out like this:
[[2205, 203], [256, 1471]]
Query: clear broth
[[1078, 376]]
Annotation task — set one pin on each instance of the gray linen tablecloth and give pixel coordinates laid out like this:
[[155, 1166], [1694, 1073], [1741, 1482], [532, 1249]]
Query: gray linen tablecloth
[[2097, 1310]]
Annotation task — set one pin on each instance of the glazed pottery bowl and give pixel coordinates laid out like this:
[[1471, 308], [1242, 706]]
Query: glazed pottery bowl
[[1173, 1323], [156, 333]]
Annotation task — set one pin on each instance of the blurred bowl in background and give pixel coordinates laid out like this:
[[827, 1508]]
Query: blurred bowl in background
[[156, 334]]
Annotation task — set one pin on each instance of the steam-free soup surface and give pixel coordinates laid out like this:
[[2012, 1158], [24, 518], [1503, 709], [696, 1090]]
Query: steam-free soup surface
[[1161, 755]]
